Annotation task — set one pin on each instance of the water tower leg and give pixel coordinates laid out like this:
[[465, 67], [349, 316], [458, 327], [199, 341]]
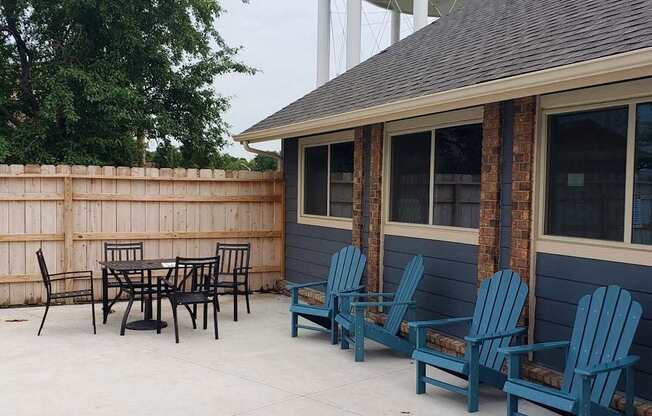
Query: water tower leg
[[353, 32], [420, 14], [396, 26], [323, 41]]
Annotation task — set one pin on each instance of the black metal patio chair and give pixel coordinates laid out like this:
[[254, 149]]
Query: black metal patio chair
[[193, 283], [58, 295], [120, 252], [234, 271]]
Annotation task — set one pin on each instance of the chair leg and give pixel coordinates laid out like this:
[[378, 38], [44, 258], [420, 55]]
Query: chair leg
[[93, 312], [421, 373], [247, 294], [126, 315], [334, 331], [629, 391], [294, 328], [47, 307], [474, 377], [584, 405], [235, 301], [105, 297], [512, 405], [359, 336], [215, 309], [193, 316], [176, 323], [344, 342], [158, 312], [205, 315]]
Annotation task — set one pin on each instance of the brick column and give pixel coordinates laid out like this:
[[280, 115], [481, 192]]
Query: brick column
[[489, 232], [358, 183], [375, 207], [522, 177]]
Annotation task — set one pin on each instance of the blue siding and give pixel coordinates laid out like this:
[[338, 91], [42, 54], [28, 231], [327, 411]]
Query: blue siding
[[563, 280], [448, 288], [308, 248]]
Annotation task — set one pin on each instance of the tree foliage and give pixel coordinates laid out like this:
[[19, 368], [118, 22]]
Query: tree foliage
[[89, 81]]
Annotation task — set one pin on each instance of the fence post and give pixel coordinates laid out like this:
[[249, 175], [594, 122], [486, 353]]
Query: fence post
[[67, 231]]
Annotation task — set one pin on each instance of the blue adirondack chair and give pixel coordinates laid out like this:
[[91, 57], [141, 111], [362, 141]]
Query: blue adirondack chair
[[493, 324], [400, 303], [605, 325], [346, 268]]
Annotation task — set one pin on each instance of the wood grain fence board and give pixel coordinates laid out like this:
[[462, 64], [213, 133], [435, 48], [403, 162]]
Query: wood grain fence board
[[70, 211]]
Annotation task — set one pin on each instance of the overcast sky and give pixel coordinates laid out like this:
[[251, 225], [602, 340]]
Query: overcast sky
[[279, 38]]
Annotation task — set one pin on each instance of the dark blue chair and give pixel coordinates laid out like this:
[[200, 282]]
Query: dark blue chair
[[597, 354], [493, 325]]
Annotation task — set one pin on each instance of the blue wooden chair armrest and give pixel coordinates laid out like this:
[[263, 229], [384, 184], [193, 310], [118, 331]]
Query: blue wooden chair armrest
[[297, 286], [363, 305], [365, 295], [619, 364], [439, 322], [497, 335], [526, 349], [350, 292]]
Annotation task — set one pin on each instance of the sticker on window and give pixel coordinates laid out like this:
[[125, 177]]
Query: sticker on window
[[575, 180]]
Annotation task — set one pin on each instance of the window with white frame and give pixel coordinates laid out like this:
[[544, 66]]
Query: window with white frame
[[327, 179], [598, 181], [435, 176]]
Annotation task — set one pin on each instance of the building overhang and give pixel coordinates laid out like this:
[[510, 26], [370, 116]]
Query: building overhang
[[614, 68]]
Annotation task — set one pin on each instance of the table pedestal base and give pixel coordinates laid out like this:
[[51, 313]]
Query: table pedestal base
[[146, 325]]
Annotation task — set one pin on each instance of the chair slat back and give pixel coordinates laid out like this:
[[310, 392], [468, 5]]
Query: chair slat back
[[500, 303], [347, 266], [604, 329], [412, 275], [45, 274], [232, 256], [123, 251], [191, 274]]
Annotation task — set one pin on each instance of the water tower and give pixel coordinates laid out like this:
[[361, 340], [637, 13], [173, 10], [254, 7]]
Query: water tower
[[419, 9]]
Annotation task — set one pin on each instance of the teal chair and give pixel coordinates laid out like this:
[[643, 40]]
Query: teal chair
[[345, 273], [597, 354], [493, 325], [388, 334]]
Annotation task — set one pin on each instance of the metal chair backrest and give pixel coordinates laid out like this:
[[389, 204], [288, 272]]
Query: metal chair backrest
[[604, 329], [191, 274], [233, 256], [123, 251], [45, 275]]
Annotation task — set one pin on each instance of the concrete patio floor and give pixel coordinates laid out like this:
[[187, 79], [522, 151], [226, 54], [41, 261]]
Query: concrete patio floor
[[255, 368]]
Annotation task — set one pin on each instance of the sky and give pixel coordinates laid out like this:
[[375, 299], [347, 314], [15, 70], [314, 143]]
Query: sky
[[279, 38]]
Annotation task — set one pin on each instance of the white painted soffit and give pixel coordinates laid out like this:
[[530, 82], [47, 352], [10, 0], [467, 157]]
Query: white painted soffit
[[620, 67]]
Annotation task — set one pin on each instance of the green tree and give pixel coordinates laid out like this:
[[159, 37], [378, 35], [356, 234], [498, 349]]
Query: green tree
[[262, 163], [89, 81]]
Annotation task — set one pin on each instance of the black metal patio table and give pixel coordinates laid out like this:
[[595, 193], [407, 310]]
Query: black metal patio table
[[121, 270]]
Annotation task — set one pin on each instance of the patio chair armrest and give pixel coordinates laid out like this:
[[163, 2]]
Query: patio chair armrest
[[381, 303], [526, 349], [363, 295], [297, 286], [439, 322], [618, 364], [80, 274], [496, 335]]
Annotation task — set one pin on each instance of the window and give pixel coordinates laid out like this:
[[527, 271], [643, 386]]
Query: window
[[327, 179], [596, 188], [435, 177]]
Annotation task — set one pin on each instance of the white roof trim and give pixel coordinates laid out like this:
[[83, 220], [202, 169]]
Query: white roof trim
[[620, 67]]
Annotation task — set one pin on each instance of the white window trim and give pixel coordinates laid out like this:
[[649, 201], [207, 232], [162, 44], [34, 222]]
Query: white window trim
[[320, 220], [422, 124], [623, 94]]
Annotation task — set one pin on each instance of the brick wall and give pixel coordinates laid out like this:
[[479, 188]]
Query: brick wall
[[358, 184], [374, 206], [489, 231], [522, 176]]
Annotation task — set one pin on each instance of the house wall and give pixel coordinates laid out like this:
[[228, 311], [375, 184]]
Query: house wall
[[308, 248]]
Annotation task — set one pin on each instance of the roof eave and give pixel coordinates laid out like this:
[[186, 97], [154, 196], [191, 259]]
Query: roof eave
[[619, 67]]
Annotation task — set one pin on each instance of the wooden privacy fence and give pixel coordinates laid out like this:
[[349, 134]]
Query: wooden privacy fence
[[69, 211]]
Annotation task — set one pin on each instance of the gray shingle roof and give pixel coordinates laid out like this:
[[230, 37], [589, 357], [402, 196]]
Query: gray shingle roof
[[484, 41]]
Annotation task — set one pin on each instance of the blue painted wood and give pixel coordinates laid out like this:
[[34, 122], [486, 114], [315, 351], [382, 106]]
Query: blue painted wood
[[605, 325], [399, 305], [494, 325], [345, 272]]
